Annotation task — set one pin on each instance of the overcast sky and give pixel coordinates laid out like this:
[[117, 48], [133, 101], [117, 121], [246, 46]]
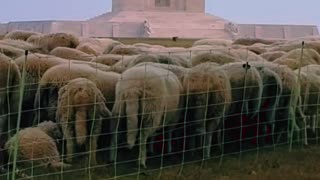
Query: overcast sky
[[239, 11]]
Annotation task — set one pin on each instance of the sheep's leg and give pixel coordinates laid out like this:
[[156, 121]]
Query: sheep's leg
[[113, 147], [97, 128], [150, 144], [303, 126], [143, 148], [92, 150], [208, 139], [169, 140], [68, 137], [114, 130]]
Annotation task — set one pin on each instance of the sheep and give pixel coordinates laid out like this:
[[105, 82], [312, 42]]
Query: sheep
[[96, 47], [287, 47], [174, 60], [271, 56], [50, 41], [37, 147], [247, 88], [58, 76], [310, 86], [35, 66], [10, 51], [20, 35], [213, 42], [208, 91], [155, 93], [81, 105], [9, 95], [272, 90], [251, 41], [125, 50], [20, 45], [69, 53], [258, 48], [108, 59], [34, 39], [292, 58], [180, 72], [94, 65], [244, 55], [216, 57], [200, 49], [149, 46], [130, 61], [288, 102]]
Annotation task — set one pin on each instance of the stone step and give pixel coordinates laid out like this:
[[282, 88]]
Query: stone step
[[189, 33]]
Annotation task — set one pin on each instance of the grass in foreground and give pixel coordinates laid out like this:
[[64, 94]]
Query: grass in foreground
[[302, 163]]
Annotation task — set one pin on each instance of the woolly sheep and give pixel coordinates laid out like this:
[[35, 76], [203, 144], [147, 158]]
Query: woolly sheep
[[271, 56], [180, 72], [272, 90], [20, 45], [125, 50], [37, 147], [34, 39], [251, 41], [244, 55], [213, 42], [215, 57], [35, 65], [288, 102], [50, 41], [287, 47], [94, 65], [208, 92], [108, 59], [69, 53], [200, 49], [247, 87], [153, 91], [58, 76], [310, 86], [19, 35], [95, 46], [292, 58], [81, 105], [10, 51], [130, 61], [10, 78], [155, 58], [174, 60], [258, 48]]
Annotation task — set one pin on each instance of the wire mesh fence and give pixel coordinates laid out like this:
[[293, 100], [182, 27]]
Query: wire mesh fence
[[149, 113]]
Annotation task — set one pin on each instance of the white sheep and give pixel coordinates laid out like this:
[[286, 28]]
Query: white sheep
[[81, 105], [155, 94], [37, 147]]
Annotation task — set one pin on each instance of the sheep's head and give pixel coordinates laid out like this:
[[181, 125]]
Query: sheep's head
[[52, 129]]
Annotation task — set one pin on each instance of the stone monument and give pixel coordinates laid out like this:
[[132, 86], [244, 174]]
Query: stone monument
[[162, 19]]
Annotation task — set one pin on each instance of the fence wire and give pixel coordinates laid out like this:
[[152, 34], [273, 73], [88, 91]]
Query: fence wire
[[140, 117]]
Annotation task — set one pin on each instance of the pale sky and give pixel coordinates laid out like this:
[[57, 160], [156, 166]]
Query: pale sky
[[239, 11]]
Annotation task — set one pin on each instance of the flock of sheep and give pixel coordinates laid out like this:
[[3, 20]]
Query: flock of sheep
[[83, 90]]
